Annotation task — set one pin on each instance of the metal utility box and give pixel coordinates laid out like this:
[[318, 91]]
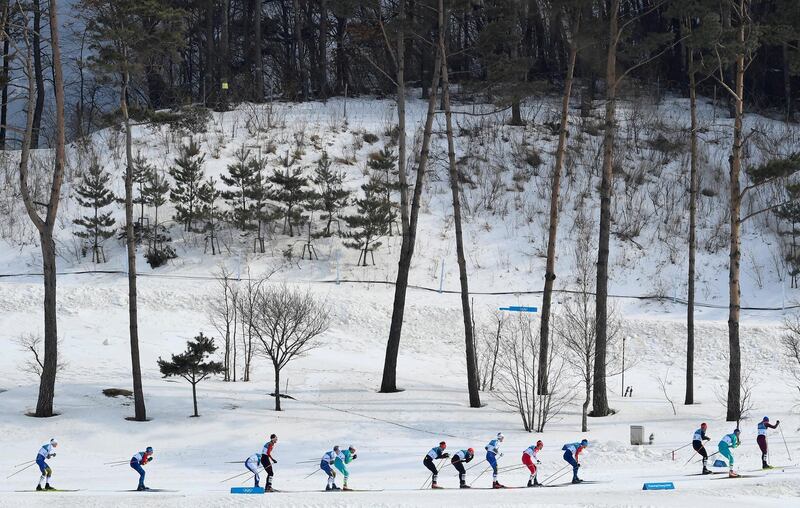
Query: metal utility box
[[637, 435]]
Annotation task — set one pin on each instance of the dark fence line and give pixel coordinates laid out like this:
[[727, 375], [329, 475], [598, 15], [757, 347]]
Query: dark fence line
[[659, 298]]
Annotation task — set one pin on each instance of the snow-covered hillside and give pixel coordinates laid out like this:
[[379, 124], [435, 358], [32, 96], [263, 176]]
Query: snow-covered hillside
[[506, 187]]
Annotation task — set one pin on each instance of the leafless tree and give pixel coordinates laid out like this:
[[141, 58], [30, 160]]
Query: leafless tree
[[223, 312], [288, 323], [45, 224], [516, 374], [663, 381], [576, 321], [33, 343], [791, 347], [489, 348]]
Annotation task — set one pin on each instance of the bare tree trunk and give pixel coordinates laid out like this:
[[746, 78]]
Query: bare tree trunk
[[734, 410], [550, 271], [194, 398], [44, 404], [322, 65], [472, 363], [599, 395], [689, 399], [5, 77], [38, 72], [225, 58], [140, 411], [787, 83], [258, 60], [277, 387], [389, 380]]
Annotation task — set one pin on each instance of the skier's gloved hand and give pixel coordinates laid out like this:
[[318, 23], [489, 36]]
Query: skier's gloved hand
[[538, 461], [501, 454], [355, 456], [273, 461], [777, 423], [445, 455]]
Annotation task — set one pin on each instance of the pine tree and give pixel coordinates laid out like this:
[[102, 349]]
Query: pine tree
[[291, 191], [209, 212], [154, 193], [240, 180], [141, 173], [790, 212], [192, 365], [188, 174], [93, 193], [261, 211], [332, 196], [369, 223], [384, 165]]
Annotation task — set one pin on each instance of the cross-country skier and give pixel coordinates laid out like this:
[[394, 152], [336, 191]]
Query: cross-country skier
[[437, 452], [459, 459], [252, 463], [343, 458], [139, 460], [492, 452], [327, 465], [697, 444], [725, 445], [47, 451], [528, 457], [267, 460], [571, 455], [763, 425]]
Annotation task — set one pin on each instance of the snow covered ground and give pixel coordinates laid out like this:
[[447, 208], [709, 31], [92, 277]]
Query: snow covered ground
[[335, 386]]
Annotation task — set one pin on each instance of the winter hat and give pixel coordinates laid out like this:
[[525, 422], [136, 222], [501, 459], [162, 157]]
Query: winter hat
[[500, 436], [54, 442], [443, 444], [471, 451], [766, 419], [584, 443], [703, 425], [539, 444]]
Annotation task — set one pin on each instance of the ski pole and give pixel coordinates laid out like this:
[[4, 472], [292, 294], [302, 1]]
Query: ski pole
[[678, 449], [237, 476], [116, 462], [430, 476], [696, 461], [786, 445], [24, 463], [21, 470], [476, 465], [554, 474], [478, 477], [312, 474], [307, 461]]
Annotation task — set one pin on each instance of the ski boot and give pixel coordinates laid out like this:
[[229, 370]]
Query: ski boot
[[498, 485], [732, 474], [707, 471], [48, 487], [464, 486], [764, 465], [435, 485], [334, 487], [577, 480], [39, 488]]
